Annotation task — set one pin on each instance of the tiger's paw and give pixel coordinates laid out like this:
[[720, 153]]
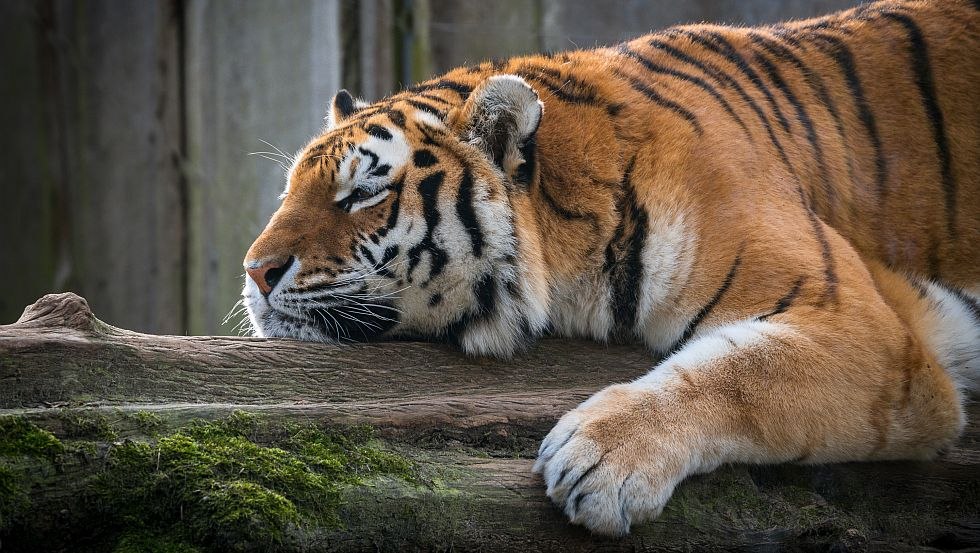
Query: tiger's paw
[[609, 463]]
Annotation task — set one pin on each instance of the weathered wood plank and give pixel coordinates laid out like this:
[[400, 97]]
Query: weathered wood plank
[[470, 426], [96, 198], [465, 33], [260, 71], [376, 36], [30, 160]]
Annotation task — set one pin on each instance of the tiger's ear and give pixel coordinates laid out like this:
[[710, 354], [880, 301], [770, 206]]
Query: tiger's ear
[[502, 118], [343, 106]]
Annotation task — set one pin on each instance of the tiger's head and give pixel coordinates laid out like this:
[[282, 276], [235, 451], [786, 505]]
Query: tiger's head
[[399, 220]]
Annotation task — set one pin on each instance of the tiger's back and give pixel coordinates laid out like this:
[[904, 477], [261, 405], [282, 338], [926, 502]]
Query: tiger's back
[[874, 112]]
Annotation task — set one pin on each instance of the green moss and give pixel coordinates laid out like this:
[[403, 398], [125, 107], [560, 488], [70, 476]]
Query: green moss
[[14, 500], [242, 512], [149, 423], [239, 482], [79, 424], [20, 437], [22, 446], [85, 448]]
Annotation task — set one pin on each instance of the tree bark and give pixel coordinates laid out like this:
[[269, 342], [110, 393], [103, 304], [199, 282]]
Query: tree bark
[[476, 421]]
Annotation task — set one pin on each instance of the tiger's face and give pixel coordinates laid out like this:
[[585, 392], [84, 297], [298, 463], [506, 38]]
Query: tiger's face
[[401, 222]]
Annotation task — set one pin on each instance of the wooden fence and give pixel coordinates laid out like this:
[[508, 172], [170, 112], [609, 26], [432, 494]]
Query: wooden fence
[[126, 127]]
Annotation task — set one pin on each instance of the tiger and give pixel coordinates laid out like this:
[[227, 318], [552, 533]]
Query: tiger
[[785, 216]]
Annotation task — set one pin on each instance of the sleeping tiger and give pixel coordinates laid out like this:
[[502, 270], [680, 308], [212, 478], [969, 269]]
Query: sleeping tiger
[[787, 216]]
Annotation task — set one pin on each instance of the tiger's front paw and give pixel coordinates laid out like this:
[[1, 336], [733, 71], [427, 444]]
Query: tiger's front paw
[[612, 461]]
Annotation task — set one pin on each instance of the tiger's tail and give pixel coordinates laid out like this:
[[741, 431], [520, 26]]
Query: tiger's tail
[[944, 318]]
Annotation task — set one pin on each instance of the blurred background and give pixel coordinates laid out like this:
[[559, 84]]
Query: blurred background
[[126, 126]]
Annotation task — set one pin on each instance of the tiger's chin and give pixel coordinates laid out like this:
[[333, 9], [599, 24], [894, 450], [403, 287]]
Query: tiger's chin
[[335, 324]]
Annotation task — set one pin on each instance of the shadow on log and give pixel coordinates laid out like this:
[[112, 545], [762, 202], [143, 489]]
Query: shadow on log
[[470, 427]]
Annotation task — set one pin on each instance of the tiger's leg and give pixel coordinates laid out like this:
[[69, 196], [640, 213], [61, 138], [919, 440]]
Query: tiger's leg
[[811, 387]]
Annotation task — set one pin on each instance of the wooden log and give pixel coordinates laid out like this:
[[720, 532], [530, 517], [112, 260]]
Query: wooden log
[[470, 425]]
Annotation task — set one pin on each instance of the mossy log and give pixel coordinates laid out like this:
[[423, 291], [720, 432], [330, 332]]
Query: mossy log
[[468, 429]]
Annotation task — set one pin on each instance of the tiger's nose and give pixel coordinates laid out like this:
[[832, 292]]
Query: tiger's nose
[[268, 275]]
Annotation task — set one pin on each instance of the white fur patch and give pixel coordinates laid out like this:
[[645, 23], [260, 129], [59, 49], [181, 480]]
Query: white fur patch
[[394, 153], [668, 258], [712, 346], [429, 119], [953, 334], [580, 308]]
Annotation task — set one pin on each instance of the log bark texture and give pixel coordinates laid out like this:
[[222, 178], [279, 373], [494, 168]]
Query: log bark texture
[[476, 422]]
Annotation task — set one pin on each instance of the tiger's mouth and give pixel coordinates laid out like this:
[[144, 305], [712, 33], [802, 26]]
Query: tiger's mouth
[[355, 322], [339, 322]]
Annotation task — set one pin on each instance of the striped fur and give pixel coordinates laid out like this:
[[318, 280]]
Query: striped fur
[[787, 215]]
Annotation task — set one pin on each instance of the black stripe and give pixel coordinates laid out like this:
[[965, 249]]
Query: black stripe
[[698, 82], [524, 174], [830, 270], [709, 69], [802, 116], [624, 258], [378, 131], [435, 98], [386, 258], [561, 210], [815, 83], [564, 87], [787, 35], [397, 117], [429, 192], [381, 171], [424, 158], [723, 78], [428, 108], [845, 61], [656, 98], [557, 91], [927, 88], [692, 326], [785, 302], [485, 293], [442, 84], [368, 255], [396, 188], [717, 44], [549, 71], [370, 154], [971, 304], [466, 213]]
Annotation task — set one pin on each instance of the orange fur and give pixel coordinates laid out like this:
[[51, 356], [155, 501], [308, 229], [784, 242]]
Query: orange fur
[[804, 182]]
